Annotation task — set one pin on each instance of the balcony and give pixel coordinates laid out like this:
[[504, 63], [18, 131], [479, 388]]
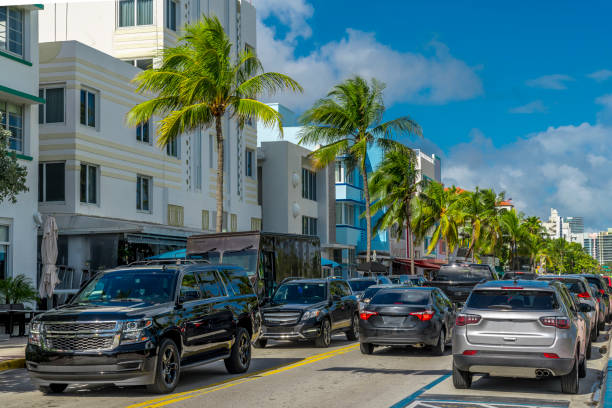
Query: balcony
[[348, 192], [348, 235]]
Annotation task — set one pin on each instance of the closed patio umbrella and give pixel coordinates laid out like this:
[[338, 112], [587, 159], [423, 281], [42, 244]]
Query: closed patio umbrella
[[48, 252]]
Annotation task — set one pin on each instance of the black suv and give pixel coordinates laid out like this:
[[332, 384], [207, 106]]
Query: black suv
[[310, 309], [141, 325]]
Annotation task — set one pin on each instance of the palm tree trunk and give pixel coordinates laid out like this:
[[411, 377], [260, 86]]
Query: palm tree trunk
[[409, 237], [366, 195], [220, 164]]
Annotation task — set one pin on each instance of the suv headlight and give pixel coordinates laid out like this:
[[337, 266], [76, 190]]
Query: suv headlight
[[35, 333], [309, 314], [134, 331]]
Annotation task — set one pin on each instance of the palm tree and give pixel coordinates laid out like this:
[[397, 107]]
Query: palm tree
[[199, 82], [393, 186], [438, 208], [514, 232], [347, 122]]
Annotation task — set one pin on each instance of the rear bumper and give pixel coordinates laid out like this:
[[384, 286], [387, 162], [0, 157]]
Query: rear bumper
[[398, 337], [498, 364]]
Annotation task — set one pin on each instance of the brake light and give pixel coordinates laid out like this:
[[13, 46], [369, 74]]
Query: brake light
[[555, 321], [584, 295], [550, 355], [423, 316], [464, 319], [512, 287], [601, 291], [470, 352], [365, 315]]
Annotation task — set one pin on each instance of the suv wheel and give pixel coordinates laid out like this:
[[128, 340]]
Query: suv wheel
[[602, 325], [366, 348], [240, 357], [353, 333], [324, 339], [582, 368], [461, 379], [594, 333], [260, 343], [570, 381], [168, 368], [438, 349], [53, 388]]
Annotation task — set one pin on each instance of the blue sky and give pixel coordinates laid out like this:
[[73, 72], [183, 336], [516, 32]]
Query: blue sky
[[514, 96]]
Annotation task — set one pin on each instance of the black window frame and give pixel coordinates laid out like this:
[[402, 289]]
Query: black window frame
[[309, 184], [87, 112], [87, 190], [43, 108], [141, 129], [248, 167], [44, 188]]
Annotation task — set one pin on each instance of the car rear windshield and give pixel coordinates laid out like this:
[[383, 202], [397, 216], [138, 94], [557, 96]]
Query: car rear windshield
[[595, 281], [462, 274], [572, 285], [370, 292], [300, 293], [512, 300], [129, 287], [361, 285], [401, 297]]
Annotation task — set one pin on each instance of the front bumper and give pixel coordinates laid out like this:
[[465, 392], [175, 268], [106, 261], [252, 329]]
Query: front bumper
[[300, 331], [133, 365], [512, 365]]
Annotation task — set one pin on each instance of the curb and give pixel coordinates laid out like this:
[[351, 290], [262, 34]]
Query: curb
[[12, 364], [601, 397]]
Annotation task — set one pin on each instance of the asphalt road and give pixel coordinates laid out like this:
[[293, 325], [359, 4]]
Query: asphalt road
[[299, 375]]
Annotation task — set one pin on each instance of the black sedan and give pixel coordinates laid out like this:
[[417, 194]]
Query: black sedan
[[410, 316]]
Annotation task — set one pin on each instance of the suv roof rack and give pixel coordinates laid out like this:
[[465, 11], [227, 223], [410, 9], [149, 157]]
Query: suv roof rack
[[177, 261], [294, 278]]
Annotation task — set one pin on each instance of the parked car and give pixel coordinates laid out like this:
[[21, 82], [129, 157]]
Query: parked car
[[528, 329], [359, 285], [523, 275], [457, 280], [310, 309], [606, 300], [608, 280], [416, 317], [142, 325], [579, 286], [415, 280]]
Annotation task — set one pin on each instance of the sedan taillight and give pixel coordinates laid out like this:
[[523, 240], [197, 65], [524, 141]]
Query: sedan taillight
[[424, 316], [556, 321], [366, 314], [584, 295], [464, 319]]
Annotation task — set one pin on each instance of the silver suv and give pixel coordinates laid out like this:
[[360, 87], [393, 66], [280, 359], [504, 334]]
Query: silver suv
[[528, 329]]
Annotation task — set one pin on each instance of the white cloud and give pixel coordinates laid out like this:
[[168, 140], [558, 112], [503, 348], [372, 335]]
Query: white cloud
[[555, 81], [565, 167], [601, 75], [435, 78], [531, 107]]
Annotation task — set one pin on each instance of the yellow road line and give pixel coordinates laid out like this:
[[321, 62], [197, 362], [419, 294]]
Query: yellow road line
[[231, 382]]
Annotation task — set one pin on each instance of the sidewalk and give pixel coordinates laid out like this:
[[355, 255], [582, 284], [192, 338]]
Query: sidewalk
[[12, 352]]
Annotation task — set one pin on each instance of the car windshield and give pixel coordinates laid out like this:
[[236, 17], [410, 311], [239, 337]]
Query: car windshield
[[453, 273], [300, 293], [129, 287], [361, 285], [512, 300], [401, 297]]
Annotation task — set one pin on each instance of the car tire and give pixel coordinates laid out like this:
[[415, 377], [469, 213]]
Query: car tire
[[570, 381], [462, 380], [366, 348], [588, 350], [53, 388], [601, 325], [324, 338], [261, 343], [594, 333], [439, 348], [240, 357], [168, 370], [353, 333], [582, 368]]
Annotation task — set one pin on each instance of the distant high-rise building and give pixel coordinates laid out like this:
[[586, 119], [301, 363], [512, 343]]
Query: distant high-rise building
[[576, 224], [567, 228]]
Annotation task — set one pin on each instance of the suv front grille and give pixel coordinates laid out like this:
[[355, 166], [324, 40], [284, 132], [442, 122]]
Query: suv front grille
[[285, 318], [80, 343], [81, 336], [85, 327]]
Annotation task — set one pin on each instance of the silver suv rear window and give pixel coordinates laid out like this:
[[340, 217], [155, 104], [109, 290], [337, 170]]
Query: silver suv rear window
[[512, 300]]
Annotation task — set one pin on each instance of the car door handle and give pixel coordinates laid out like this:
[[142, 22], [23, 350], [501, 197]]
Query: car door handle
[[513, 339]]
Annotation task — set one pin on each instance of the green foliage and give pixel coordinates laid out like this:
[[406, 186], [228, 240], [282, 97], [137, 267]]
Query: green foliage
[[199, 82], [18, 289], [12, 175], [346, 123]]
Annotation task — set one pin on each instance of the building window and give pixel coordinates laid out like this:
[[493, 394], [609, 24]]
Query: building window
[[135, 12], [53, 109], [255, 224], [11, 30], [172, 148], [176, 215], [51, 182], [309, 184], [143, 193], [88, 108], [211, 152], [12, 120], [205, 220], [223, 221], [345, 214], [142, 132], [309, 226], [197, 161], [4, 250], [171, 14], [89, 184], [142, 63], [249, 162], [343, 174], [233, 222]]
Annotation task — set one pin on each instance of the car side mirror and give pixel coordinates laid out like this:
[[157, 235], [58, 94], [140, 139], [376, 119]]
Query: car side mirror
[[585, 308]]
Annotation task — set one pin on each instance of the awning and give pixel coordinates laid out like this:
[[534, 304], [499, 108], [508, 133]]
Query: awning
[[178, 254], [327, 262], [421, 263], [372, 267]]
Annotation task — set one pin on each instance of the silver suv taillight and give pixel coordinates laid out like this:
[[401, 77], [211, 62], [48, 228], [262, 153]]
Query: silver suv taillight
[[464, 319], [555, 321]]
